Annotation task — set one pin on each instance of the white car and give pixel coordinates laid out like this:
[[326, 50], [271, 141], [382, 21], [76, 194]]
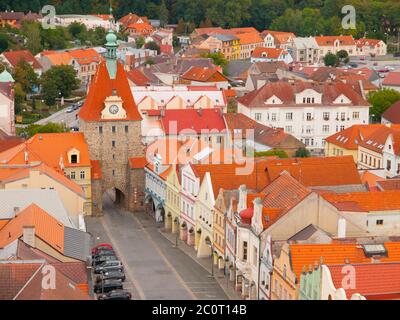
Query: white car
[[69, 110]]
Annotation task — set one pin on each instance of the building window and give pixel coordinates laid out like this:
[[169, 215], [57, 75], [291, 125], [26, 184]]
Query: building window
[[113, 143], [379, 222], [82, 175], [289, 116], [356, 115], [113, 172], [343, 116], [388, 165], [100, 129], [273, 117], [258, 116], [255, 256], [126, 129], [74, 158], [309, 116], [113, 129], [288, 129], [325, 128], [245, 250], [72, 175], [326, 116]]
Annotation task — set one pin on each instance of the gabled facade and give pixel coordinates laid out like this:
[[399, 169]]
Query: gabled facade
[[173, 200]]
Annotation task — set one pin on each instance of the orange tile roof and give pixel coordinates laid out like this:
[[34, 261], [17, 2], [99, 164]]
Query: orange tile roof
[[47, 228], [271, 53], [365, 201], [368, 42], [166, 172], [313, 172], [392, 79], [392, 114], [17, 173], [138, 77], [280, 37], [143, 28], [96, 172], [371, 180], [85, 56], [249, 38], [101, 88], [137, 163], [351, 137], [304, 255], [203, 75], [49, 148], [376, 140], [329, 40], [390, 184], [59, 58], [14, 57], [375, 281]]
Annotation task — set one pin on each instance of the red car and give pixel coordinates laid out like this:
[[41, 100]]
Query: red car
[[102, 246]]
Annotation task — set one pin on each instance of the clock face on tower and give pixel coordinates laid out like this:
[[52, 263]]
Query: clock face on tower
[[113, 109]]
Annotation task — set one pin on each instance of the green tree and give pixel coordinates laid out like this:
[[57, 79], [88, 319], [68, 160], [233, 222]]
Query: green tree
[[163, 14], [343, 56], [26, 76], [4, 42], [380, 101], [58, 81], [19, 98], [218, 58], [153, 46], [331, 60], [32, 32], [181, 27], [139, 42], [302, 153], [50, 127]]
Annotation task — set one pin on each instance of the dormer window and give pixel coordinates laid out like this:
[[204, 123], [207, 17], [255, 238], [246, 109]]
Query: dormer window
[[74, 158]]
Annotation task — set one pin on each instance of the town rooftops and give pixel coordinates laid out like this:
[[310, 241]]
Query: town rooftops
[[280, 37], [138, 77], [392, 114], [50, 148], [368, 42], [351, 137], [14, 57], [365, 201], [374, 281], [270, 53], [85, 56], [286, 92], [390, 184], [376, 140], [330, 40], [249, 38], [392, 79], [316, 172], [193, 121], [203, 75], [103, 86]]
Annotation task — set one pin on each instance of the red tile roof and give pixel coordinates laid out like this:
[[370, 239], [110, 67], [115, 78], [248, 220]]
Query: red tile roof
[[138, 77], [375, 281], [249, 38], [85, 56], [270, 53], [376, 140], [392, 79], [101, 88], [131, 18], [368, 42], [390, 184], [9, 142], [203, 75], [14, 57], [137, 163], [392, 114], [280, 37], [351, 137], [192, 120], [286, 92], [329, 40], [313, 172], [365, 201]]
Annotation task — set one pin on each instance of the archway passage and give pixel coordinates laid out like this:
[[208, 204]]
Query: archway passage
[[113, 197]]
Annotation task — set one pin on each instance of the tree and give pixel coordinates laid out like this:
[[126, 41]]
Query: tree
[[218, 58], [25, 76], [331, 60], [163, 14], [50, 127], [302, 153], [19, 98], [181, 27], [152, 45], [4, 42], [343, 56], [32, 33], [58, 81], [139, 42], [381, 100]]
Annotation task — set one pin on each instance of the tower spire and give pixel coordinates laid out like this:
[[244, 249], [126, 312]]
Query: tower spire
[[111, 46]]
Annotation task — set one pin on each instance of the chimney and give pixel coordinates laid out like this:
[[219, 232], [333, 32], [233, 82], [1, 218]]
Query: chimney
[[28, 235], [200, 111], [341, 233], [256, 221], [242, 198], [26, 156]]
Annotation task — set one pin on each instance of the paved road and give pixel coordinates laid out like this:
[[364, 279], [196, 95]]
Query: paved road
[[61, 117], [157, 269]]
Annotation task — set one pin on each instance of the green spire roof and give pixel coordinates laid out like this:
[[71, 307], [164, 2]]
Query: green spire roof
[[111, 46], [5, 76]]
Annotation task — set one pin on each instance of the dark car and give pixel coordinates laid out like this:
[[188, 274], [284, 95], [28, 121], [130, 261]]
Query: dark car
[[108, 285], [101, 259], [109, 266], [114, 274], [116, 295], [101, 253]]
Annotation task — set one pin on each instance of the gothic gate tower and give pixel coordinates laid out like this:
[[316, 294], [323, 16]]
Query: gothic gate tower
[[111, 123]]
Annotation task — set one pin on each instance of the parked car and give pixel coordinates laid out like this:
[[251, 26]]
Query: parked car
[[119, 275], [103, 252], [75, 107], [75, 129], [101, 259], [69, 110], [116, 295], [107, 286], [109, 266], [101, 246]]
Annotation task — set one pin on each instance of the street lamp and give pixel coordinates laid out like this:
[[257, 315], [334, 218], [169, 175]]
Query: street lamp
[[210, 245]]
